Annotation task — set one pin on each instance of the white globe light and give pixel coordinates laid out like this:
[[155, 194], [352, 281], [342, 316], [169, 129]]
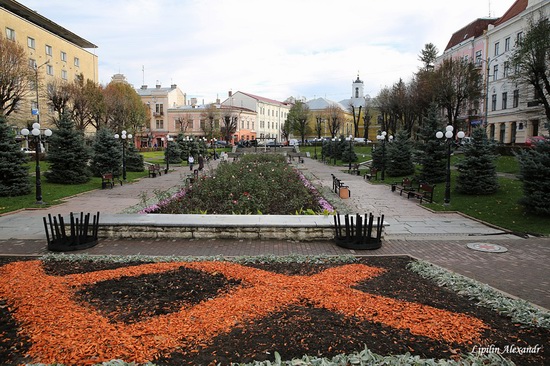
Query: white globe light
[[391, 137], [25, 132], [449, 134], [123, 136], [48, 132], [123, 132], [130, 136], [384, 133], [35, 132], [36, 125], [439, 134], [449, 128], [116, 136], [460, 134]]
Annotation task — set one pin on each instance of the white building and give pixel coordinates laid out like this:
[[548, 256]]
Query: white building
[[513, 115], [270, 114]]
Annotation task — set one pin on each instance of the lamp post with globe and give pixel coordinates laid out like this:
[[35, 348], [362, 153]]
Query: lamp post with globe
[[123, 136], [448, 140], [38, 136]]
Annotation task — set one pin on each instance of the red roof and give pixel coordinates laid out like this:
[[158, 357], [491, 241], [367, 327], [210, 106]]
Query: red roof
[[515, 9], [474, 29]]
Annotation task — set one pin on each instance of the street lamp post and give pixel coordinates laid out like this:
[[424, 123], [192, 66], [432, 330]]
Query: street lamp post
[[382, 139], [488, 62], [315, 148], [350, 147], [449, 139], [123, 136], [37, 135], [166, 152], [214, 144], [334, 149]]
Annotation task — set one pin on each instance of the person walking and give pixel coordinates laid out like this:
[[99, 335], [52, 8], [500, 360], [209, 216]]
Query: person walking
[[201, 162], [191, 161]]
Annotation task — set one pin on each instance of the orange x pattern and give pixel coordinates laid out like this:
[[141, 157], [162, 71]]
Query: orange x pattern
[[64, 330]]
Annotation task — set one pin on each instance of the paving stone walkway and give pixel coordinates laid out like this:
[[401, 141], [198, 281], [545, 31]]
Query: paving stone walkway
[[440, 238]]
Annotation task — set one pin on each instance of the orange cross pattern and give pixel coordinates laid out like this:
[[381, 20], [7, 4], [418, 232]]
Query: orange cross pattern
[[63, 329]]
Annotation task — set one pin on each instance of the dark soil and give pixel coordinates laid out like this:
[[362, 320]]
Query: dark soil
[[298, 330]]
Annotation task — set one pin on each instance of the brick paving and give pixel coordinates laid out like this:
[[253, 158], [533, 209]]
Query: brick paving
[[523, 271]]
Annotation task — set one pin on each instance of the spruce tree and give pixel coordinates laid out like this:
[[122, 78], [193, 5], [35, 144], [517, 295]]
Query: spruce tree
[[400, 156], [477, 172], [134, 160], [14, 175], [430, 152], [68, 155], [349, 155], [379, 156], [535, 174], [172, 154], [107, 153]]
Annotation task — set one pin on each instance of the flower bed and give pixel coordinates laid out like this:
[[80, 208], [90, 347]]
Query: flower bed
[[257, 184], [79, 312]]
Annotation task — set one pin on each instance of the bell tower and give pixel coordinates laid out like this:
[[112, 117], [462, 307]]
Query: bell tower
[[357, 88]]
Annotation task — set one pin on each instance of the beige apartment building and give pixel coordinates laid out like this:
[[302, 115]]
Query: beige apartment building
[[56, 53]]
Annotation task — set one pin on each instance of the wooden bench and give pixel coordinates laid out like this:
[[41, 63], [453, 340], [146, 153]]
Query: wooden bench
[[425, 192], [406, 185], [355, 170], [108, 180], [340, 188], [372, 173], [153, 170]]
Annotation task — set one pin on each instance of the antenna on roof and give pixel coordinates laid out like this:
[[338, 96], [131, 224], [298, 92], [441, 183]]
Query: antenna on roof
[[143, 73], [489, 8]]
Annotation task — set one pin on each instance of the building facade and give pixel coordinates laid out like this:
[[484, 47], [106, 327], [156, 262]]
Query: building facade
[[56, 54], [270, 114], [159, 100], [507, 108]]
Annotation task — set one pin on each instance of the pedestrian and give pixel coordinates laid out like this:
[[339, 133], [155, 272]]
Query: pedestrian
[[191, 161], [201, 162]]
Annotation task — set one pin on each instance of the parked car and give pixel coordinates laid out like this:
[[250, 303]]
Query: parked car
[[533, 140], [221, 143], [26, 150], [293, 142]]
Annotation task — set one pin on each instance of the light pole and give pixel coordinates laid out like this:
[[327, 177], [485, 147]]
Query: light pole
[[315, 148], [334, 149], [123, 136], [382, 139], [350, 147], [214, 144], [488, 62], [167, 152], [449, 139], [37, 135]]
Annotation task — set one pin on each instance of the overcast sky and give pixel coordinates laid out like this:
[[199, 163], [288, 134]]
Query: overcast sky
[[275, 49]]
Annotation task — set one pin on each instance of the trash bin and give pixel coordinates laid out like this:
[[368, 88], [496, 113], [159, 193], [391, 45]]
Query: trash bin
[[344, 192]]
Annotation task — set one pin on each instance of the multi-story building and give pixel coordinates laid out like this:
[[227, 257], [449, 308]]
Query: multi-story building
[[270, 114], [159, 100], [513, 114], [318, 109], [507, 108], [56, 53]]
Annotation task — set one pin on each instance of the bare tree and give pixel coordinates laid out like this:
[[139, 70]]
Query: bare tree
[[210, 116], [319, 118], [16, 77], [335, 119], [229, 127], [531, 59], [185, 121], [457, 84], [59, 97], [356, 118], [367, 117]]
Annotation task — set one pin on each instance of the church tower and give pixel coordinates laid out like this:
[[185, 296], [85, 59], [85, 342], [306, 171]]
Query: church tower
[[357, 89]]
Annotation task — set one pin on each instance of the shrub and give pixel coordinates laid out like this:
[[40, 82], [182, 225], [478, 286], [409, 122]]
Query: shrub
[[535, 175]]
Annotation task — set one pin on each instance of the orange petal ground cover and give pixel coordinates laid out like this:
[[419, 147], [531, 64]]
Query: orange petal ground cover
[[65, 330]]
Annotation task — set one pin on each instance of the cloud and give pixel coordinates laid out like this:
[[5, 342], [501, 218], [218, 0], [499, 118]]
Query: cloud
[[275, 49]]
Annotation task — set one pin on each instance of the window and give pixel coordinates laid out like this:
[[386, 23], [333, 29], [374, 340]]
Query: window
[[519, 38], [506, 69], [63, 56], [34, 105], [504, 100], [49, 69], [64, 74], [494, 102], [507, 44], [495, 73], [31, 43], [159, 109], [32, 63], [77, 62], [497, 46], [516, 98], [49, 50], [478, 58], [159, 124], [10, 34]]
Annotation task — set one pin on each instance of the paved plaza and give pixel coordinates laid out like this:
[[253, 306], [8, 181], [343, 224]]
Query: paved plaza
[[523, 270]]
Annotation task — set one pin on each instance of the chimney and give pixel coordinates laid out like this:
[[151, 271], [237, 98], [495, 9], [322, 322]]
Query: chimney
[[158, 86], [230, 93], [143, 87], [173, 86]]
